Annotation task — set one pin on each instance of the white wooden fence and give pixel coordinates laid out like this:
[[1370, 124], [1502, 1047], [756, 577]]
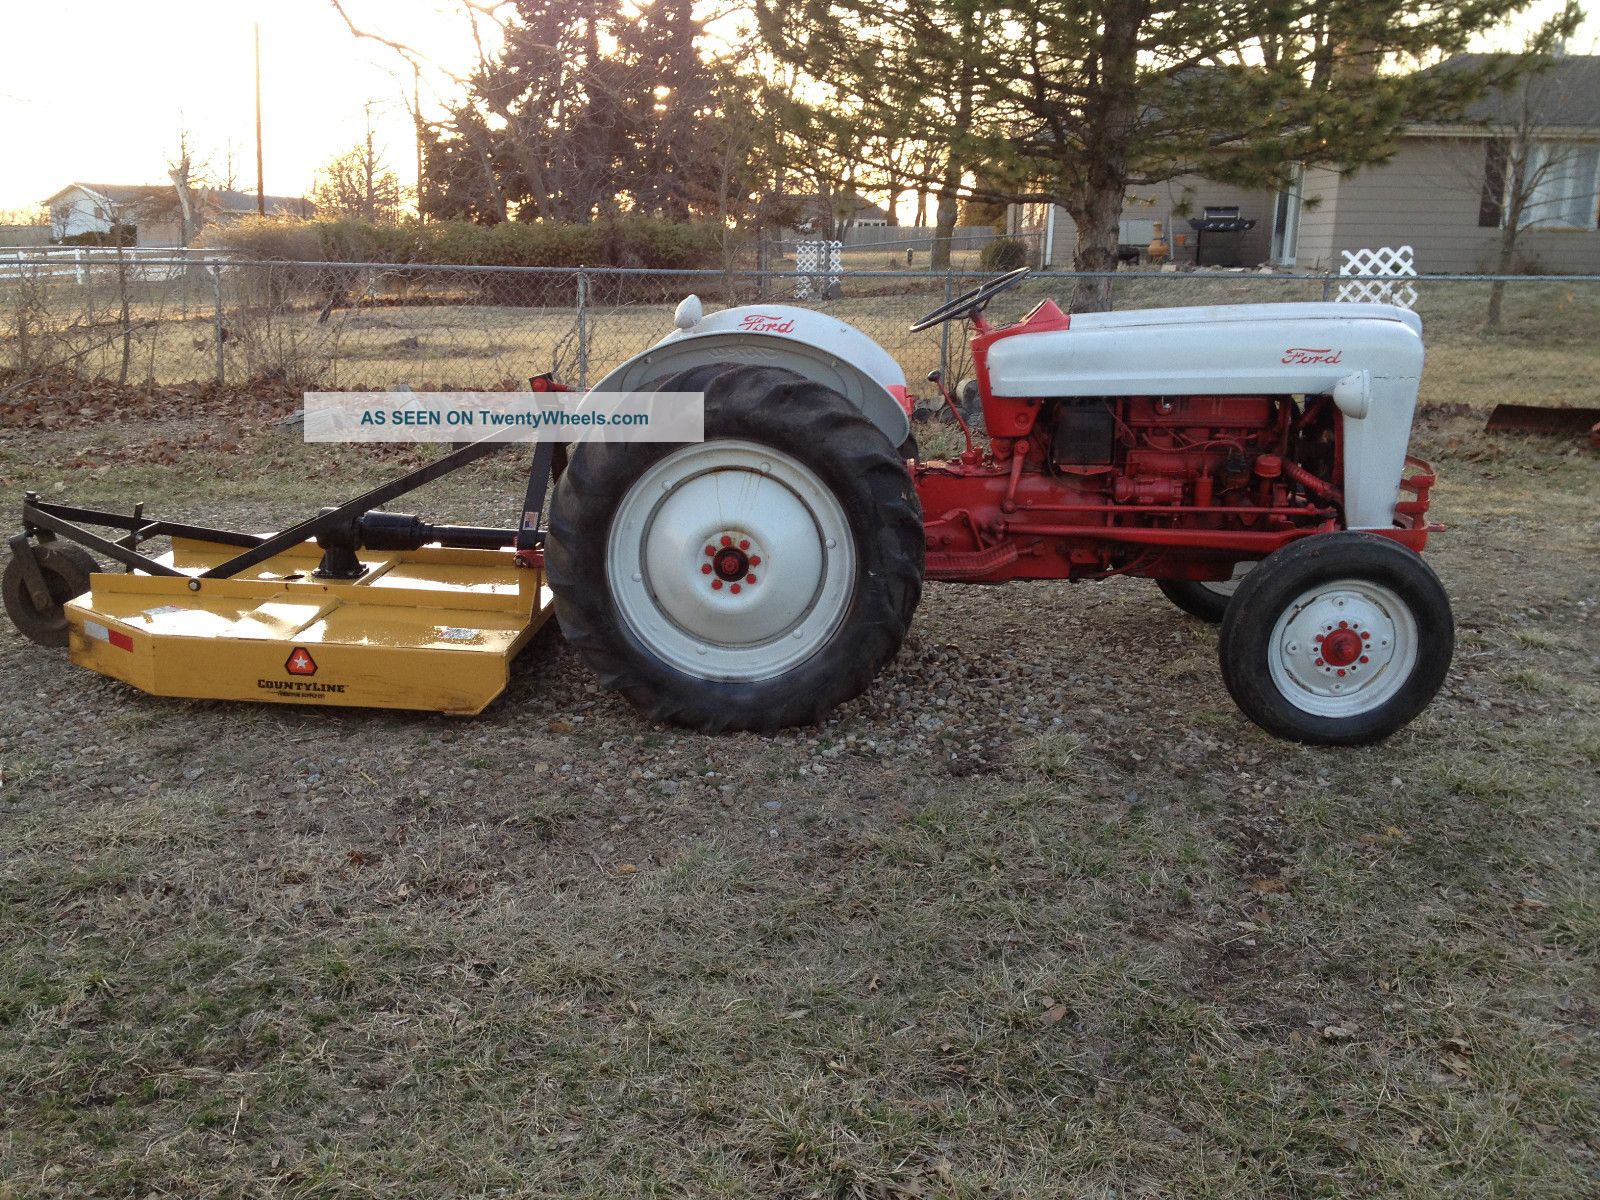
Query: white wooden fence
[[78, 262]]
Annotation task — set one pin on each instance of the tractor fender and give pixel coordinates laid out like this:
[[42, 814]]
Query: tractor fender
[[822, 348]]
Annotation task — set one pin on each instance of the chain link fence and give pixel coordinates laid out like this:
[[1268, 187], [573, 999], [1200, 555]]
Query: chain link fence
[[355, 325]]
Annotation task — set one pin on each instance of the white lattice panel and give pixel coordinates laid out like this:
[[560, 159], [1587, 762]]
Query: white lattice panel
[[820, 265], [1396, 261]]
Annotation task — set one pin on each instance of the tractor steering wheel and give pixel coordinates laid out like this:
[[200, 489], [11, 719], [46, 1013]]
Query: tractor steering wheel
[[970, 304]]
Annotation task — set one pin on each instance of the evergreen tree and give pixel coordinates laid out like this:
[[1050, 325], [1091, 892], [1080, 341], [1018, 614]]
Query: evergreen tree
[[1074, 101]]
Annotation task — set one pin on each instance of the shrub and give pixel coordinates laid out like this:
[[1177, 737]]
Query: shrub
[[1004, 254], [624, 242], [121, 234], [269, 238]]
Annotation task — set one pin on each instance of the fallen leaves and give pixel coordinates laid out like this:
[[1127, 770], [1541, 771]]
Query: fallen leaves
[[1456, 1056]]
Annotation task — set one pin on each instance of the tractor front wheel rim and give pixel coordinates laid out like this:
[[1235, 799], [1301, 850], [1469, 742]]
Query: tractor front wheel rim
[[731, 561], [1343, 648]]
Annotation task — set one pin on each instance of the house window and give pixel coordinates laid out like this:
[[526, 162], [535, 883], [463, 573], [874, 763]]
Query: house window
[[1562, 186]]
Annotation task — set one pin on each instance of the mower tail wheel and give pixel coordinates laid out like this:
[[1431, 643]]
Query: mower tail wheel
[[1206, 599], [66, 569], [754, 580], [1338, 639]]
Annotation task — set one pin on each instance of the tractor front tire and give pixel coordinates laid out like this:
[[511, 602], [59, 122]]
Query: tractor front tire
[[755, 580], [1338, 639], [66, 569]]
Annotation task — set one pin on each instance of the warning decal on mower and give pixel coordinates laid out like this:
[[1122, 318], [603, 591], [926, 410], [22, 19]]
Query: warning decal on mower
[[300, 662]]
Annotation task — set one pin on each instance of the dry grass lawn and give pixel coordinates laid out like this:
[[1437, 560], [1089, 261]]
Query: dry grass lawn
[[1041, 915]]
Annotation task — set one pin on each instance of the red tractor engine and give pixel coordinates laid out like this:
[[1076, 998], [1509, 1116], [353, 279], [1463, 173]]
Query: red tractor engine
[[1178, 487]]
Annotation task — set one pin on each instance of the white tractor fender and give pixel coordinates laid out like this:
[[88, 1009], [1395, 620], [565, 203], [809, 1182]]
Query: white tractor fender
[[816, 345]]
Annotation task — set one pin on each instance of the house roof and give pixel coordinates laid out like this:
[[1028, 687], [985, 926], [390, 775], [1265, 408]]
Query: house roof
[[1566, 93], [225, 199], [116, 193], [245, 202]]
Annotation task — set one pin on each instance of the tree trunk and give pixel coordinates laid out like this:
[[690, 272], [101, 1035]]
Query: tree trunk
[[1507, 255], [1096, 200], [187, 225], [125, 317], [944, 219], [1512, 218], [944, 228], [1098, 216]]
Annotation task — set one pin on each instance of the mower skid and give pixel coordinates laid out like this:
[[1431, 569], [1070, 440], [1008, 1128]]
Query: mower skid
[[431, 629]]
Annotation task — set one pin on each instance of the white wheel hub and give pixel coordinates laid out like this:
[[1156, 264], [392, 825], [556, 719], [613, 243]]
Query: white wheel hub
[[1343, 648], [731, 561]]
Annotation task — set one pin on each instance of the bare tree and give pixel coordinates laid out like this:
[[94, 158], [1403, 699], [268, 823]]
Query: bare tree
[[1531, 179], [358, 183], [181, 170]]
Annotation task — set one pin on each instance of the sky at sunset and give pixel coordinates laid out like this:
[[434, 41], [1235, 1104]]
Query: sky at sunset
[[97, 90]]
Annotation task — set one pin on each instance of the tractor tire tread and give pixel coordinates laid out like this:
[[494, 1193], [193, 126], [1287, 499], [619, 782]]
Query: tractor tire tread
[[835, 440], [1278, 579]]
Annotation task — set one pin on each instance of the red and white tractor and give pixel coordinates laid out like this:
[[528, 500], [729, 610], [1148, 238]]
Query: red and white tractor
[[1251, 459]]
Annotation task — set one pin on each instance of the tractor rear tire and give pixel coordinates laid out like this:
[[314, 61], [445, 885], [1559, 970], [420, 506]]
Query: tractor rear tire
[[1338, 639], [755, 580], [1206, 599], [66, 569]]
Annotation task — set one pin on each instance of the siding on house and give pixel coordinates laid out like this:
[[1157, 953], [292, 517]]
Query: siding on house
[[1427, 196], [1319, 200], [1157, 202], [77, 212], [154, 210]]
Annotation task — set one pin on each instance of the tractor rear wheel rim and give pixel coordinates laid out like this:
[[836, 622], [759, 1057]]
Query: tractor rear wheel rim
[[1227, 587], [731, 561], [1343, 648]]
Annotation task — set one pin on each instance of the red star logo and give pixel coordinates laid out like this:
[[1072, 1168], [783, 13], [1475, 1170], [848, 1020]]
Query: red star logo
[[301, 662]]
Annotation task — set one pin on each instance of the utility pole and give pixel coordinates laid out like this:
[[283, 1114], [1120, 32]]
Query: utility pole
[[261, 184]]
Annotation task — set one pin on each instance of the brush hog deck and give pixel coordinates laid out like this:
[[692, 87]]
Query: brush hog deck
[[431, 629]]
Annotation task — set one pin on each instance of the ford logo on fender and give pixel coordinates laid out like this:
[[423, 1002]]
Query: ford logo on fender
[[1303, 355], [760, 323]]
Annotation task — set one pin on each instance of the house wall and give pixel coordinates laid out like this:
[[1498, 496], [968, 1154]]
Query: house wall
[[76, 213], [1427, 197], [1192, 194], [1319, 200]]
